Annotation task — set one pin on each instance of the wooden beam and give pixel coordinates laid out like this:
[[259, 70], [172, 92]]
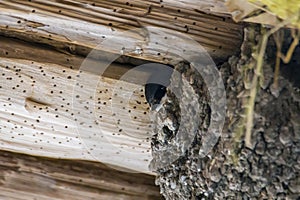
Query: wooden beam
[[40, 114], [79, 26], [28, 177]]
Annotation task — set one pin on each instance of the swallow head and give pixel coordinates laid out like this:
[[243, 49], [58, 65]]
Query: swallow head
[[154, 94], [156, 86]]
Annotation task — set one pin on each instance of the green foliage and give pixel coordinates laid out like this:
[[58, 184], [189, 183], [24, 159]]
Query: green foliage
[[283, 9]]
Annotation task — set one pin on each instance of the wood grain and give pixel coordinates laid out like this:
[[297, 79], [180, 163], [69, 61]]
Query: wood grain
[[27, 177], [39, 116], [79, 26]]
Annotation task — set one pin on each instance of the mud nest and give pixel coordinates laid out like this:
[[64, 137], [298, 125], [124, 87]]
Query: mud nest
[[269, 170]]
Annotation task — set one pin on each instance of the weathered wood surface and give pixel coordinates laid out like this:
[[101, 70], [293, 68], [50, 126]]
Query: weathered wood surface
[[40, 114], [26, 177], [78, 26]]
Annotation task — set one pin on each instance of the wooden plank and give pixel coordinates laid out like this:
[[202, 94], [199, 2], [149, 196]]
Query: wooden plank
[[28, 177], [39, 116], [15, 48], [78, 26]]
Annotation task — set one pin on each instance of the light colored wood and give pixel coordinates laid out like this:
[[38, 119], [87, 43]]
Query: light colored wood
[[41, 115], [214, 7], [50, 99], [79, 26], [26, 177]]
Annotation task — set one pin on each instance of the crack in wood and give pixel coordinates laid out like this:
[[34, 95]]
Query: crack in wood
[[34, 103]]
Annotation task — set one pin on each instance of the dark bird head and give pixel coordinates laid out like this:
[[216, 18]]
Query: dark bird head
[[156, 86], [154, 93]]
